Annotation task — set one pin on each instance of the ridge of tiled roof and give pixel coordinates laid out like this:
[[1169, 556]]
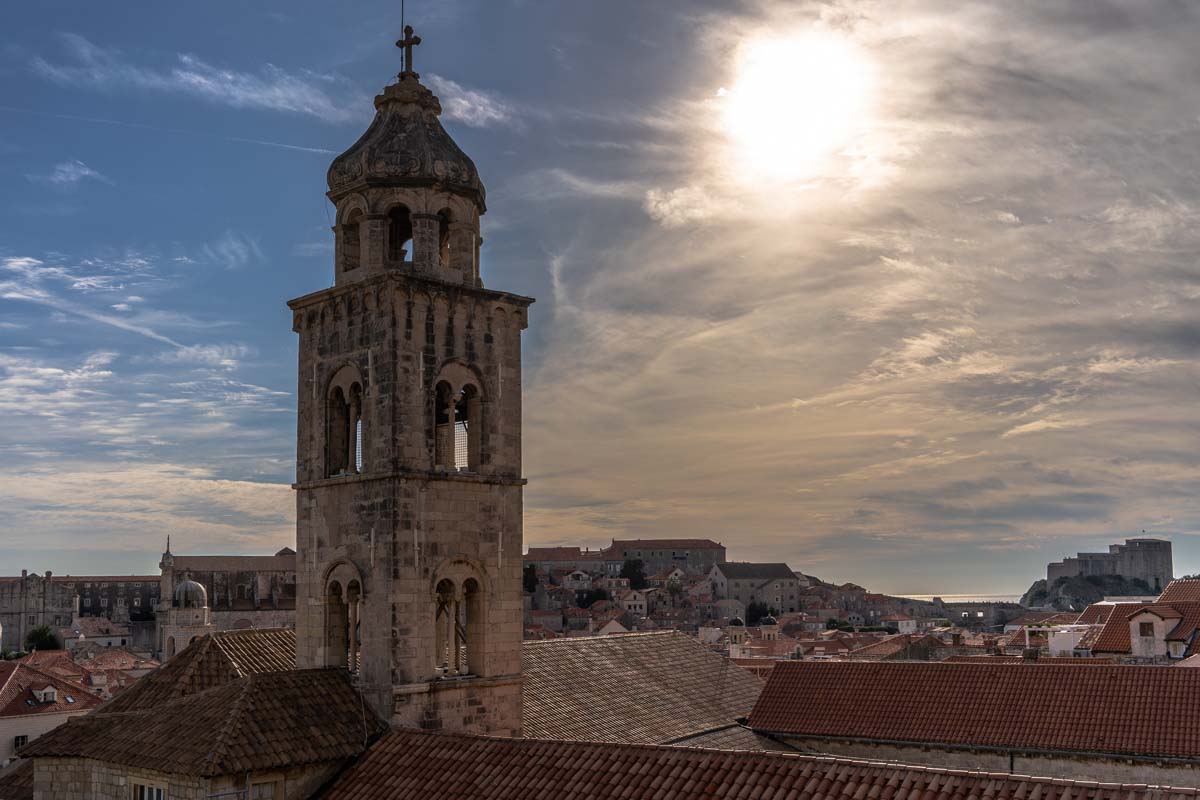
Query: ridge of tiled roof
[[1104, 709], [746, 570], [212, 660], [1181, 591], [409, 764], [1018, 659], [258, 722], [632, 687]]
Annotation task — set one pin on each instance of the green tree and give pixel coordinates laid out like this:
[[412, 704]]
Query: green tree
[[675, 589], [635, 571], [756, 611], [530, 577], [41, 638]]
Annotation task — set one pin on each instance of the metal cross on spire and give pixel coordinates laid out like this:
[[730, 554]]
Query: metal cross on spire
[[406, 45]]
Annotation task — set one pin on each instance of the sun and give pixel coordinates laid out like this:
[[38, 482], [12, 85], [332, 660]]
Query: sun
[[797, 102]]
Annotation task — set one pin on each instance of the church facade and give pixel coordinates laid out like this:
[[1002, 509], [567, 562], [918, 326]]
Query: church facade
[[408, 475]]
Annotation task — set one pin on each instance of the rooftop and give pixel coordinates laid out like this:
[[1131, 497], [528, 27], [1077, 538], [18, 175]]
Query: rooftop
[[19, 681], [1104, 709], [744, 570], [634, 687], [212, 660], [406, 765], [1185, 591], [259, 722]]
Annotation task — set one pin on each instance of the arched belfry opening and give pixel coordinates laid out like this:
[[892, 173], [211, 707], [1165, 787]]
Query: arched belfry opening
[[444, 219], [458, 422], [459, 626], [344, 429], [399, 234], [343, 599], [351, 241]]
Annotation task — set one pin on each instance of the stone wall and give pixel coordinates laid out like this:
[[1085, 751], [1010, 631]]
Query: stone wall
[[1098, 768], [403, 523], [86, 779], [1149, 560]]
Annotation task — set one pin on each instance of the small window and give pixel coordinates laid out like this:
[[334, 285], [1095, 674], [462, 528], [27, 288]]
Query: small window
[[1146, 629], [70, 700], [20, 741], [32, 619], [104, 602], [145, 791]]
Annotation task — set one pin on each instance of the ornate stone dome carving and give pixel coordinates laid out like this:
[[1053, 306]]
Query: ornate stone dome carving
[[406, 145], [189, 594]]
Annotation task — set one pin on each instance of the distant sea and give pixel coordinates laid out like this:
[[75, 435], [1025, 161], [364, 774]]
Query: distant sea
[[967, 598]]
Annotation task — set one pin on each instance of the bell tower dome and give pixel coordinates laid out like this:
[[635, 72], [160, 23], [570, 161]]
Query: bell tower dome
[[408, 453], [408, 198]]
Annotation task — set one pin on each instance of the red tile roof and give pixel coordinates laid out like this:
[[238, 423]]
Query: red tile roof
[[16, 782], [1107, 709], [1114, 638], [408, 764], [261, 722], [1016, 659], [1095, 614], [19, 681], [1181, 591]]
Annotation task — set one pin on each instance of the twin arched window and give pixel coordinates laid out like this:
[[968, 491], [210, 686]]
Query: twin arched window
[[344, 424], [343, 642], [458, 623]]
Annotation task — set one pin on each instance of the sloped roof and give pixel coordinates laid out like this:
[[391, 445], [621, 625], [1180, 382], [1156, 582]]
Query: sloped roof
[[275, 563], [1105, 709], [258, 722], [1114, 636], [636, 687], [16, 782], [212, 660], [18, 681], [407, 764], [1016, 659], [744, 570], [1181, 591]]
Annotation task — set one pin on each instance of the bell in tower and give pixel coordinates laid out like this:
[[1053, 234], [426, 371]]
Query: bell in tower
[[408, 456]]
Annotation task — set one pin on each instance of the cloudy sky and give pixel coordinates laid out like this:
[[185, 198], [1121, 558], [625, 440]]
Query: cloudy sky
[[900, 292]]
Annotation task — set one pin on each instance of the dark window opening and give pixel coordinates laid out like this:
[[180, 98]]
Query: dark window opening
[[399, 234]]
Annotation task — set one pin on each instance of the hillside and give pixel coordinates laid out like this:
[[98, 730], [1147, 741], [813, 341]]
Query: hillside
[[1075, 594]]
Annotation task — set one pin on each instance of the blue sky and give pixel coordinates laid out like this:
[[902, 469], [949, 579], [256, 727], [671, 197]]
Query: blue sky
[[916, 307]]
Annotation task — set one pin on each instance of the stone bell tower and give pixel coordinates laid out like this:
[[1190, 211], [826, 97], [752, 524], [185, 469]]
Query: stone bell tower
[[408, 462]]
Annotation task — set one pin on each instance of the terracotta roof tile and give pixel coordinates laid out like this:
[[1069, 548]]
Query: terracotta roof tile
[[260, 722], [407, 765], [16, 782], [212, 660], [19, 681], [636, 687], [1114, 637], [1108, 709], [1017, 659], [1181, 591]]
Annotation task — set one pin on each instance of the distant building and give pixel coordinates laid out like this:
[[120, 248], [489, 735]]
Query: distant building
[[773, 584], [1137, 559], [34, 702], [693, 556]]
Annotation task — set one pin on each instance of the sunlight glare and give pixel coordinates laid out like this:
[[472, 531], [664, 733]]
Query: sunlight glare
[[798, 101]]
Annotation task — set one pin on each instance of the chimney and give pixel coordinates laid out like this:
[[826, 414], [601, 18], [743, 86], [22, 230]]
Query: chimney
[[956, 639]]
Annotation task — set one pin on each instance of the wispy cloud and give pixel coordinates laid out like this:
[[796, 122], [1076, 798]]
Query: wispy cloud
[[69, 173], [272, 88], [233, 251], [473, 107]]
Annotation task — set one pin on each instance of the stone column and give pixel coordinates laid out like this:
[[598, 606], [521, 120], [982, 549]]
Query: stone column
[[425, 242], [373, 247]]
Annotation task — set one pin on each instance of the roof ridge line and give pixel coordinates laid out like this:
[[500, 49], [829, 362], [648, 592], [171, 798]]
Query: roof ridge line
[[225, 734]]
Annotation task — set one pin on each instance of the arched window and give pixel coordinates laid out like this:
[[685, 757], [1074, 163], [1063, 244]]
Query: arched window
[[446, 626], [458, 423], [458, 623], [344, 424], [444, 220], [399, 234], [351, 241], [337, 626]]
